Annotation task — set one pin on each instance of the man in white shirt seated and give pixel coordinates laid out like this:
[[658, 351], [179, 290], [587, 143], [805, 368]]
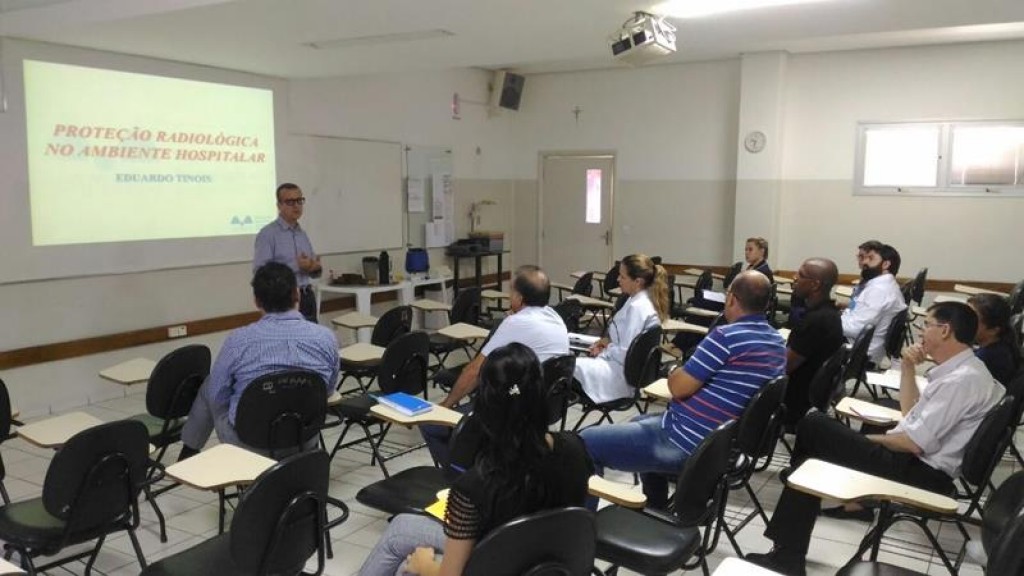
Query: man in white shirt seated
[[530, 322], [877, 299], [925, 449]]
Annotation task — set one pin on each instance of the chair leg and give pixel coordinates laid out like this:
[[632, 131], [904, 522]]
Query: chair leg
[[158, 512], [95, 552], [7, 499], [137, 547], [223, 500]]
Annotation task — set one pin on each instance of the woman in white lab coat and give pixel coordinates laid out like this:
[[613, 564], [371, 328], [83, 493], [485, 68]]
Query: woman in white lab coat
[[602, 374]]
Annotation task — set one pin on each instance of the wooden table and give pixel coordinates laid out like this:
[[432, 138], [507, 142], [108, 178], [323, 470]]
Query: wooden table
[[133, 371], [783, 280], [974, 290], [463, 331], [495, 294], [616, 492], [219, 468], [437, 415], [733, 566], [354, 321], [361, 353], [657, 390], [858, 409], [846, 291], [826, 480], [55, 432], [427, 305]]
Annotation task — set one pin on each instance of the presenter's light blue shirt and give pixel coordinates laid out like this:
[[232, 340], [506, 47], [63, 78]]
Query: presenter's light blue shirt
[[276, 342], [279, 242]]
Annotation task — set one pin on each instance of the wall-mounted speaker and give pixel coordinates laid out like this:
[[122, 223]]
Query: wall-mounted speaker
[[507, 90]]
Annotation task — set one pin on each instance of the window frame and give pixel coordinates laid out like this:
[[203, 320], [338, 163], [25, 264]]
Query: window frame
[[944, 166]]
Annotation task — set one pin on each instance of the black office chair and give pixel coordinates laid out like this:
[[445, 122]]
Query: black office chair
[[571, 311], [827, 386], [403, 368], [5, 433], [91, 490], [733, 272], [1016, 298], [896, 336], [756, 432], [641, 368], [857, 361], [558, 373], [465, 309], [173, 386], [414, 489], [278, 526], [559, 541], [651, 542], [391, 325], [1016, 388], [584, 286], [611, 281], [1002, 531]]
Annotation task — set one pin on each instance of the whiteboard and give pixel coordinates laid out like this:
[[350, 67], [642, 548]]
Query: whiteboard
[[353, 191]]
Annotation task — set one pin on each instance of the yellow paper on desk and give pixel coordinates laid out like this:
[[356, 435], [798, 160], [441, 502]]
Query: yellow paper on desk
[[437, 509]]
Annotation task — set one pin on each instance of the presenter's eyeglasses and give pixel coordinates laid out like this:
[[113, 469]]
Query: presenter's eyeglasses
[[294, 202]]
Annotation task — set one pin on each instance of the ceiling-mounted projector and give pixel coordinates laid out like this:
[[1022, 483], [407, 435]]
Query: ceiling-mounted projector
[[643, 38]]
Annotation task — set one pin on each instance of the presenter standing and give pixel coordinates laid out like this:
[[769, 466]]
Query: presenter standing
[[284, 241]]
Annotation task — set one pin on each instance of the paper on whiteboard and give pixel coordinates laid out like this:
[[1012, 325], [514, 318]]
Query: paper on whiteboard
[[416, 195], [435, 234], [439, 184]]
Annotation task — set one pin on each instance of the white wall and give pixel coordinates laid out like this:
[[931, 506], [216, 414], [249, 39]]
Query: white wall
[[957, 238]]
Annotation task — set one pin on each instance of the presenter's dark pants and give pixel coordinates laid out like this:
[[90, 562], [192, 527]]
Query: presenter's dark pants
[[307, 303], [825, 438]]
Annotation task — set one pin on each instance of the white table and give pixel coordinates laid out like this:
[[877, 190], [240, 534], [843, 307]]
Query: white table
[[364, 294], [437, 414], [974, 290], [858, 409], [733, 566], [845, 291], [891, 379], [6, 568], [826, 480], [354, 320], [55, 432], [463, 331], [133, 371], [361, 353], [672, 325]]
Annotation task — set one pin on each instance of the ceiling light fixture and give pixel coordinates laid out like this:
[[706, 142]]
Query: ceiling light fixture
[[701, 8], [377, 39]]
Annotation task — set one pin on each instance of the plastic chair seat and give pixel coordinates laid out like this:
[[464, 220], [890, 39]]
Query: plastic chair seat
[[442, 343], [643, 544], [155, 425], [356, 408], [28, 524], [212, 557], [409, 491], [876, 569]]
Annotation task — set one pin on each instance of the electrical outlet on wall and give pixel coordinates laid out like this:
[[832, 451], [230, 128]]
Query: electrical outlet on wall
[[177, 331]]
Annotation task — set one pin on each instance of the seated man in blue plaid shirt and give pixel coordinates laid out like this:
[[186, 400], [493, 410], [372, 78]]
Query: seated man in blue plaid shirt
[[280, 340]]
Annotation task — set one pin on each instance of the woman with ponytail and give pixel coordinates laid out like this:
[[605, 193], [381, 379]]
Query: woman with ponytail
[[520, 468], [602, 375], [996, 339]]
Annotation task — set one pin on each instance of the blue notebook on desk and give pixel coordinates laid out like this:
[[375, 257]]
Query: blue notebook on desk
[[405, 403]]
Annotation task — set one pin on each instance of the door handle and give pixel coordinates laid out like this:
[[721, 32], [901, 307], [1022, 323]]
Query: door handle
[[607, 237]]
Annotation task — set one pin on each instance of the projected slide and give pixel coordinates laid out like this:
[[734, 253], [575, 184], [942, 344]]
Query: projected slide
[[116, 156]]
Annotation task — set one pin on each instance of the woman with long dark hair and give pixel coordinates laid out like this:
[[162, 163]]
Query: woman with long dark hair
[[996, 339], [520, 468]]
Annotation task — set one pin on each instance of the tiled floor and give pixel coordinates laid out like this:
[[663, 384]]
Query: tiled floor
[[192, 515]]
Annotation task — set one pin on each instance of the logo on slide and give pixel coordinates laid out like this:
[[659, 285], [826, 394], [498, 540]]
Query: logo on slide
[[241, 221]]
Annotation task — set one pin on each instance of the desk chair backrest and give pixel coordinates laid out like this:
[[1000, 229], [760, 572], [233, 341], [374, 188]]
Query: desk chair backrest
[[280, 518], [917, 293], [561, 541], [701, 484], [733, 272], [611, 279], [757, 427], [5, 432], [827, 386], [391, 325], [897, 334], [466, 307], [558, 373], [1002, 527], [1016, 298], [571, 311], [584, 285], [704, 282], [175, 381], [281, 412], [986, 446], [95, 479], [857, 360], [403, 367], [643, 358]]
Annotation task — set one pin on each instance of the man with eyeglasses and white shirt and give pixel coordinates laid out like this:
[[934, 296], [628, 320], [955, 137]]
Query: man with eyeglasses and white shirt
[[284, 241]]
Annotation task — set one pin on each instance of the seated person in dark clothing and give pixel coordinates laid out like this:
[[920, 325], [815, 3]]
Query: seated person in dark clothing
[[996, 339], [755, 252], [521, 468], [815, 338]]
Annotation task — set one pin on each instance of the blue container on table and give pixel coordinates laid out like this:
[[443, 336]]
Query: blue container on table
[[416, 261]]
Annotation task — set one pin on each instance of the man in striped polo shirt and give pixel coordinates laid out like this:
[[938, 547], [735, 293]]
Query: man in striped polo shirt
[[714, 386]]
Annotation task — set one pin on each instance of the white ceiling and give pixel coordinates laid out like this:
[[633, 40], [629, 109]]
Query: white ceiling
[[267, 36]]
